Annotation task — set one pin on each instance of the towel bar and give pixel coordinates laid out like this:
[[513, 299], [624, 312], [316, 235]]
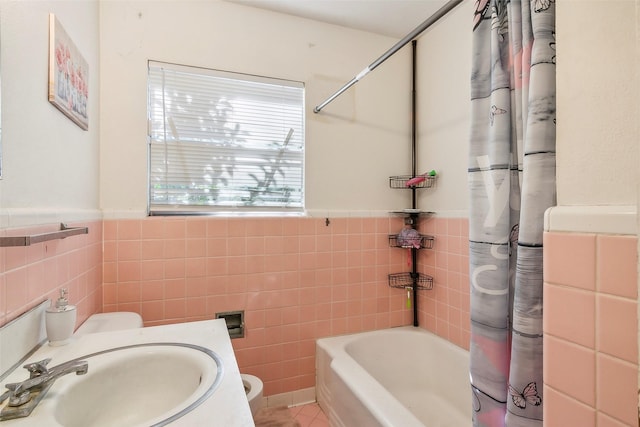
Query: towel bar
[[7, 241]]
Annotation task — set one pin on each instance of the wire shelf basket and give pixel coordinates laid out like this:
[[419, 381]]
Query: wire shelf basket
[[405, 280], [401, 181], [425, 242]]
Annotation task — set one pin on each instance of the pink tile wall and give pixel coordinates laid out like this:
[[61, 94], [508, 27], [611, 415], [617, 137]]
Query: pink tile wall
[[31, 274], [590, 330], [445, 309], [296, 278]]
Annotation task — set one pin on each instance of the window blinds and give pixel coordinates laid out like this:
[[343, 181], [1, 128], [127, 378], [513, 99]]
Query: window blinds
[[222, 141]]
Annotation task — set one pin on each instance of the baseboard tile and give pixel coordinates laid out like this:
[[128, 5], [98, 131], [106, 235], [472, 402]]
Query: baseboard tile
[[292, 398]]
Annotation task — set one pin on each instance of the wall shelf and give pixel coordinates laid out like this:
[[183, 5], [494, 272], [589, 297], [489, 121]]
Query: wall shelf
[[413, 279], [420, 242], [407, 280], [401, 181], [412, 212], [63, 232]]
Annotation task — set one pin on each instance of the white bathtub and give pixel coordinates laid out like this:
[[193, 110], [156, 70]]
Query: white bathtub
[[399, 377]]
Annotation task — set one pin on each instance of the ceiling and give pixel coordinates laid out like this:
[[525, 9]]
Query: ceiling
[[393, 18]]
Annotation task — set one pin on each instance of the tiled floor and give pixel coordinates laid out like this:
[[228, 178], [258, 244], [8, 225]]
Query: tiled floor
[[310, 415]]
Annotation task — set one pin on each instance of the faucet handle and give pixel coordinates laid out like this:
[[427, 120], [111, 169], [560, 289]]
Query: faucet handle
[[16, 396], [37, 368]]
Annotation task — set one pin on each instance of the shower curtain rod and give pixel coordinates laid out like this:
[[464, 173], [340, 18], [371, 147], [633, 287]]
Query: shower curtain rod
[[406, 39]]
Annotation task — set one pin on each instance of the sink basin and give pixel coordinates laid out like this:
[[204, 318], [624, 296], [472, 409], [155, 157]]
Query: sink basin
[[150, 384], [145, 377]]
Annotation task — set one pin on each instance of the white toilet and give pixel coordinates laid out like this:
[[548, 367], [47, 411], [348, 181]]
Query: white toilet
[[116, 321], [253, 387]]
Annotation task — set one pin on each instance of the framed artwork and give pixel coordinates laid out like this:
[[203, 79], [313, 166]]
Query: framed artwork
[[68, 75]]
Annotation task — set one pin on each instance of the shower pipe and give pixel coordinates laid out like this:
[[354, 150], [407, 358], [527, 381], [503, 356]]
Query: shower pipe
[[406, 39], [414, 252]]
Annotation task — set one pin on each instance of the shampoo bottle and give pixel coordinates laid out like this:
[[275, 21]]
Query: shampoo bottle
[[60, 320]]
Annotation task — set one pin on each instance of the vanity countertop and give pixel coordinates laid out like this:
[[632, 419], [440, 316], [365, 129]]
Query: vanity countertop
[[227, 407]]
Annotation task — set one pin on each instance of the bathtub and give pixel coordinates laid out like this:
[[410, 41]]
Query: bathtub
[[399, 377]]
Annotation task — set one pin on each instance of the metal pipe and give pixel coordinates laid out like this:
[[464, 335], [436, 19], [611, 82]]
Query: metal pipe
[[414, 161], [406, 39], [414, 252]]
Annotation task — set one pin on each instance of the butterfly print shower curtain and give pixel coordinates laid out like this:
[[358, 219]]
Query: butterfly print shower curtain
[[511, 176]]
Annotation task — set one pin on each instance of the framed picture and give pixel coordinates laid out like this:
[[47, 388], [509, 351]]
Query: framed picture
[[68, 75]]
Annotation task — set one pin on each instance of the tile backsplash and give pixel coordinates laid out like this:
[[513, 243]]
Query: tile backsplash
[[32, 274]]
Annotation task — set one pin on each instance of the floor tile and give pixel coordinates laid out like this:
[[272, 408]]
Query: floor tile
[[310, 415]]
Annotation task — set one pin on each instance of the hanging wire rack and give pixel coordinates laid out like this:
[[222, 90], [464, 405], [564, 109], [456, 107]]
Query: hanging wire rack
[[400, 181], [406, 279], [426, 242]]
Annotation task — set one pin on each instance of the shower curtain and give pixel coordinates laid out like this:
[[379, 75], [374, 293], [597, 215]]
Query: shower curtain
[[511, 179]]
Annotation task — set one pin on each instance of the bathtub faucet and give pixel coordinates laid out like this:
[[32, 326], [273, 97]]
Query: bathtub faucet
[[24, 396]]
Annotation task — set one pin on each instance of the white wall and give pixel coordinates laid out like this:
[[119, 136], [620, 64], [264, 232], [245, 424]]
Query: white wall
[[353, 145], [54, 171], [597, 101], [444, 110], [50, 165], [359, 140]]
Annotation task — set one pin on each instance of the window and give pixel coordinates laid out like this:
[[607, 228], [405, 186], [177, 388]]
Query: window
[[224, 142]]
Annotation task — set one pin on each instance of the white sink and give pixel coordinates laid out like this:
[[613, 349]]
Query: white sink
[[183, 374], [148, 384]]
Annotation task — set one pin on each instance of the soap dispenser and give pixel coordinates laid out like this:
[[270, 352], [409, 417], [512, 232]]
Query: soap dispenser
[[60, 320]]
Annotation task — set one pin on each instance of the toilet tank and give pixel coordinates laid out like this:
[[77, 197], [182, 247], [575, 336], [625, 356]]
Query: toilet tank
[[103, 322]]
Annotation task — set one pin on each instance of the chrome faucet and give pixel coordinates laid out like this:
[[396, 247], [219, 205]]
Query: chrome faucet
[[24, 396]]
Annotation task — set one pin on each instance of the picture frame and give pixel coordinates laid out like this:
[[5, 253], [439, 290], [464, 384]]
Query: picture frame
[[68, 75]]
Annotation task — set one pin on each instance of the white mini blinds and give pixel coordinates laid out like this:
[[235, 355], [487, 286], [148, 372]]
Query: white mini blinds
[[222, 141]]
